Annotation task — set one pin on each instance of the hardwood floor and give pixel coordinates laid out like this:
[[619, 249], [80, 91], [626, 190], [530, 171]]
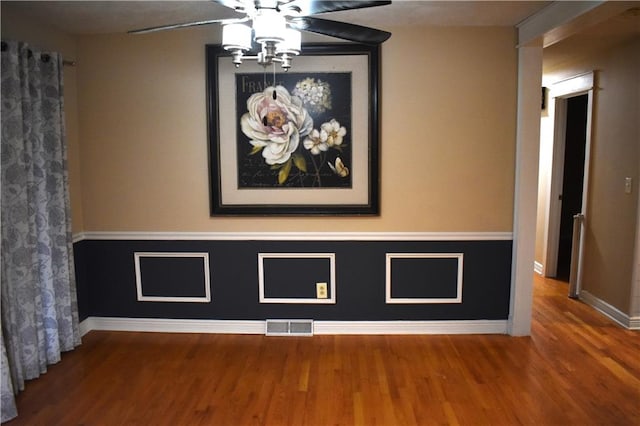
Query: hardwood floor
[[577, 368]]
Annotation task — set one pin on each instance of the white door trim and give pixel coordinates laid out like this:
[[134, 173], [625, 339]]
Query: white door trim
[[561, 91]]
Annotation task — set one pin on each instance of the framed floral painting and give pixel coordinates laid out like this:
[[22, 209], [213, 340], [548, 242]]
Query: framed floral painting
[[298, 142]]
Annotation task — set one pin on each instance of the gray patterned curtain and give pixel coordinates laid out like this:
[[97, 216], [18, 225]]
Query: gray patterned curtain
[[39, 305]]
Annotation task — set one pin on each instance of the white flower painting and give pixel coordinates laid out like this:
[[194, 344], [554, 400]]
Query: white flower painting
[[301, 135]]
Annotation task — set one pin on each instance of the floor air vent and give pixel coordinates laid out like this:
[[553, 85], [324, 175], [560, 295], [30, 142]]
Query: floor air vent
[[289, 328]]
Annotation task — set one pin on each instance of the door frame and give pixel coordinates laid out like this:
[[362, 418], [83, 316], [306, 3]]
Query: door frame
[[560, 92]]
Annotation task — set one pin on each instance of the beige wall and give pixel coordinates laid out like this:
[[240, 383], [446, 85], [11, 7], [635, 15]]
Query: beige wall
[[447, 134], [611, 213], [16, 27]]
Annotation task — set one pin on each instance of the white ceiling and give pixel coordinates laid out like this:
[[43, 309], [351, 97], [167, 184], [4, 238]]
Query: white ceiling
[[95, 17]]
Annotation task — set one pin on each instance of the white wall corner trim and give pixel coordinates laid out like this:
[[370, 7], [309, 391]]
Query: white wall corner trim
[[526, 189], [295, 236], [160, 325], [610, 311]]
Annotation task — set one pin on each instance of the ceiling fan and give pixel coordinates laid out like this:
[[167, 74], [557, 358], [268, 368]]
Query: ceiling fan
[[276, 24]]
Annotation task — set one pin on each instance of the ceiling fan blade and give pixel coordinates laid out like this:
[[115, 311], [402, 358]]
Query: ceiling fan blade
[[341, 30], [233, 4], [311, 7], [184, 25]]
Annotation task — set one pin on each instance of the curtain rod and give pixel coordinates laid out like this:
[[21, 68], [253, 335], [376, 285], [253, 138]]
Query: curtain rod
[[65, 62]]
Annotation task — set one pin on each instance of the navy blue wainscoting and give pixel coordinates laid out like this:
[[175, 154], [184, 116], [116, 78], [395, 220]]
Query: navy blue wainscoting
[[426, 276]]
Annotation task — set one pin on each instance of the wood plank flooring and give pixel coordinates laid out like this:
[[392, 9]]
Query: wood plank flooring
[[577, 368]]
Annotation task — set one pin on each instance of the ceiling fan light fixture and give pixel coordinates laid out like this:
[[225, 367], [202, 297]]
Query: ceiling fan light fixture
[[269, 26], [292, 43], [236, 37], [274, 25]]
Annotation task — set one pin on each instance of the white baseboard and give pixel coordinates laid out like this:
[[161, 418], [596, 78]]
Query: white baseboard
[[610, 311], [163, 325], [411, 327], [320, 327], [86, 326]]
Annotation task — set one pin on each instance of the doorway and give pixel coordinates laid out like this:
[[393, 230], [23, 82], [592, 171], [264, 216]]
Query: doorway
[[568, 168], [572, 179]]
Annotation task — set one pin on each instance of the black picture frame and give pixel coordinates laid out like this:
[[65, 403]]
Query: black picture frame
[[239, 185]]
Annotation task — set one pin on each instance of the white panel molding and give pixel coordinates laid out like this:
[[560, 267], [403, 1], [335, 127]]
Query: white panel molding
[[206, 280], [457, 299], [610, 311], [295, 236], [320, 327], [332, 274]]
